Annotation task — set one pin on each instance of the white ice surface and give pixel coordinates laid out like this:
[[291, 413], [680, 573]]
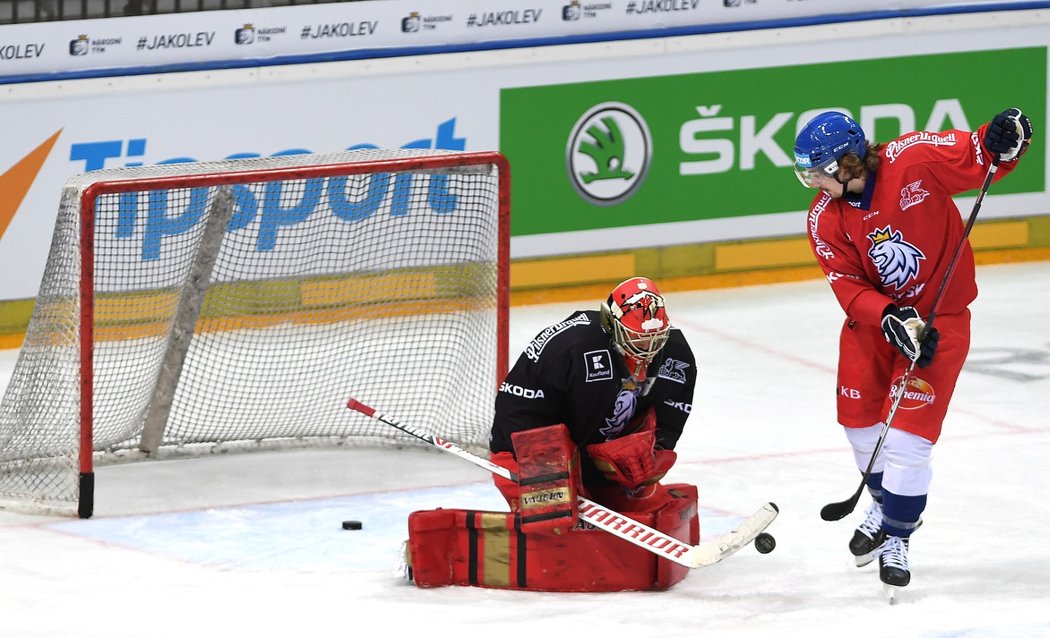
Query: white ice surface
[[251, 544]]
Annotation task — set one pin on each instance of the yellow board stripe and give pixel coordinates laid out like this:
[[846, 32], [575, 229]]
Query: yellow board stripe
[[1012, 234], [763, 254], [554, 272], [1009, 256], [600, 291], [135, 308], [12, 341], [357, 290]]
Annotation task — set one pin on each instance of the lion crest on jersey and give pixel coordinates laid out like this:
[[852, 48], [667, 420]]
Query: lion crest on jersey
[[896, 260], [623, 410]]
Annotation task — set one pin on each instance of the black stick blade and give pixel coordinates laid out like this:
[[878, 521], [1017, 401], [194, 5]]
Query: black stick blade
[[838, 511]]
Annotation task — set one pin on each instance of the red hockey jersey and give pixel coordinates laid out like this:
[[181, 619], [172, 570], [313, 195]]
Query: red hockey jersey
[[894, 243]]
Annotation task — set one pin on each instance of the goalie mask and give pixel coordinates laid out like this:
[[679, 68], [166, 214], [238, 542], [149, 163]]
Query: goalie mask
[[635, 318]]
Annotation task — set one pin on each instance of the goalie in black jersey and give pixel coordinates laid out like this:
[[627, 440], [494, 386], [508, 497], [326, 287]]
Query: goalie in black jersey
[[612, 387], [593, 407]]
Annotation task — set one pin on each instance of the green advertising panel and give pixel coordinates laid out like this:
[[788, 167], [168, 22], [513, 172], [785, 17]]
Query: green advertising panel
[[594, 155]]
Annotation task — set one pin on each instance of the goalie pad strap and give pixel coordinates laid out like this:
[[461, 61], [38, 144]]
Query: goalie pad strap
[[474, 550], [543, 478], [545, 516]]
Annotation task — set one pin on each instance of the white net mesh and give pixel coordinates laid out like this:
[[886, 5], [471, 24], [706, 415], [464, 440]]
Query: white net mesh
[[323, 284]]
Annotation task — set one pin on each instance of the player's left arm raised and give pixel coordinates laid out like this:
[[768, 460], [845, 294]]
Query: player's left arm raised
[[1007, 136]]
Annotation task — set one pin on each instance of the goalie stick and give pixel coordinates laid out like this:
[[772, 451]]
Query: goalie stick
[[838, 511], [652, 540]]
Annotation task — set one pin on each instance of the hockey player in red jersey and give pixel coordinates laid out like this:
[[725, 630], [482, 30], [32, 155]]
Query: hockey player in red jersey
[[619, 382], [884, 229]]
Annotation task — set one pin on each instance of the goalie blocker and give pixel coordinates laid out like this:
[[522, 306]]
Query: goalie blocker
[[489, 549], [548, 472]]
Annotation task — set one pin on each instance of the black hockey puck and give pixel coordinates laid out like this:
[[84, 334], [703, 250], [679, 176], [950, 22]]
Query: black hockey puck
[[765, 543], [357, 525]]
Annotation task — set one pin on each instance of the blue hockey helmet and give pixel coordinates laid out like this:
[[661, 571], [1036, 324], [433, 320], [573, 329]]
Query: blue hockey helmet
[[823, 141]]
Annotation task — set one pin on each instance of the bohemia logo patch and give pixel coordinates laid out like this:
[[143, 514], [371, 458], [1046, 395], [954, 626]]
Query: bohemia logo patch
[[896, 260], [913, 194], [918, 394]]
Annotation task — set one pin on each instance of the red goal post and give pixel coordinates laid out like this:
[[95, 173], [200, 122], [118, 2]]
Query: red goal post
[[197, 307]]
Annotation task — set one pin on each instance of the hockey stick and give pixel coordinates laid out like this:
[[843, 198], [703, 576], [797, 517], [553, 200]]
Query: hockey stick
[[838, 511], [652, 540]]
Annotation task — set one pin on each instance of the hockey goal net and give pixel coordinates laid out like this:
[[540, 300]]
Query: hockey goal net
[[193, 307]]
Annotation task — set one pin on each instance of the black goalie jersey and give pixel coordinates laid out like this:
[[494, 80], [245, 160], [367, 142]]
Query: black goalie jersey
[[570, 373]]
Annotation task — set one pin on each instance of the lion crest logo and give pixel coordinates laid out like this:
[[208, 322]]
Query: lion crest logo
[[623, 410], [896, 260]]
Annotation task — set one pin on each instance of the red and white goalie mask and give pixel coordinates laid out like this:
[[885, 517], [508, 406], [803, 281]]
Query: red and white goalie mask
[[635, 317]]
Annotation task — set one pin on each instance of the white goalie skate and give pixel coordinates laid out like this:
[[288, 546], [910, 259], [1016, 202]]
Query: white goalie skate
[[403, 564]]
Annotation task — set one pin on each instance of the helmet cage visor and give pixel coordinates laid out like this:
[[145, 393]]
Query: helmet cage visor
[[807, 173], [641, 344], [636, 320]]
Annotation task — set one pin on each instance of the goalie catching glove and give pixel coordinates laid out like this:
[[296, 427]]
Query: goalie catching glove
[[634, 460], [907, 331]]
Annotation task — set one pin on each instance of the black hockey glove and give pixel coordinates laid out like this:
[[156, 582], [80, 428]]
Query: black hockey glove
[[905, 329], [1008, 134]]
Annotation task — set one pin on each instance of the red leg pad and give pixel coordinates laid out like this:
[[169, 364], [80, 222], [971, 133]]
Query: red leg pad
[[488, 549]]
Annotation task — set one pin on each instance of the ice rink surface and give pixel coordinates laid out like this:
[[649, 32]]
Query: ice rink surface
[[251, 544]]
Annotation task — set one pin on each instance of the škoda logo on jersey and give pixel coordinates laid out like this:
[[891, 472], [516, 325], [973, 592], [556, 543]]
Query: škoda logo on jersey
[[917, 395], [518, 391]]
